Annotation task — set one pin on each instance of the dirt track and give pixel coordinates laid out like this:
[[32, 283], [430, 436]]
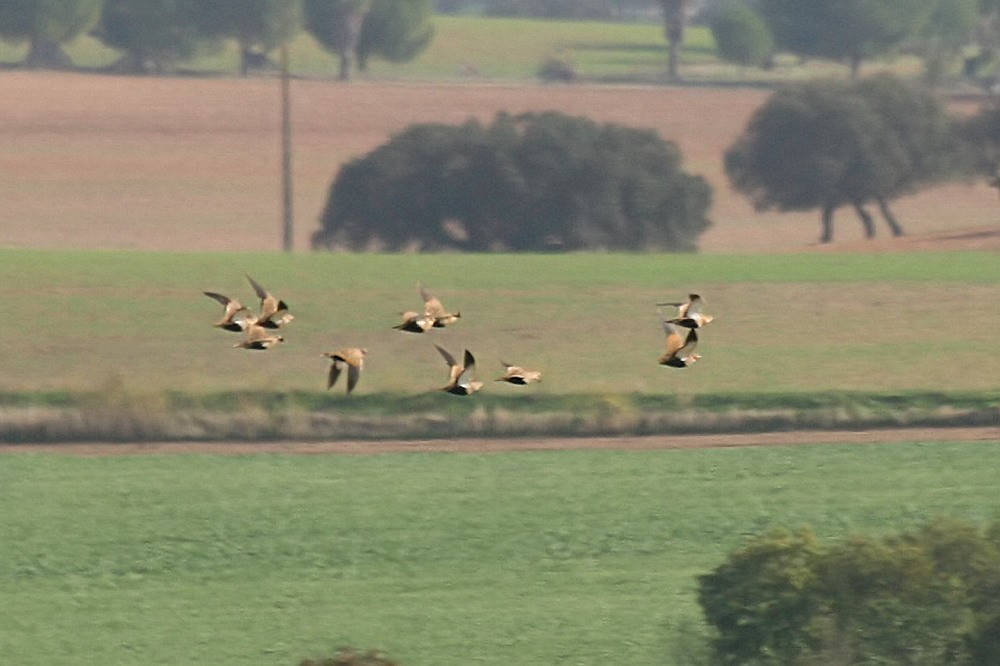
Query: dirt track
[[524, 444]]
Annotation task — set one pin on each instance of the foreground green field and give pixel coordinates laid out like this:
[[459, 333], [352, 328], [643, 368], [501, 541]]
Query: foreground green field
[[528, 558]]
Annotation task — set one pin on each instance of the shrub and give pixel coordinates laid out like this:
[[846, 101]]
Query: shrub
[[924, 597], [557, 69], [742, 36], [761, 600]]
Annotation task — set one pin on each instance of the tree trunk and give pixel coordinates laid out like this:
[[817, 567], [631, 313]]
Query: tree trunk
[[46, 54], [890, 219], [349, 40], [345, 65], [827, 224], [866, 220], [855, 67], [245, 56], [674, 20]]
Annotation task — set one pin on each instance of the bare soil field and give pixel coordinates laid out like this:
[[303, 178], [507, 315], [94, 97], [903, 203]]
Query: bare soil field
[[498, 445], [94, 161]]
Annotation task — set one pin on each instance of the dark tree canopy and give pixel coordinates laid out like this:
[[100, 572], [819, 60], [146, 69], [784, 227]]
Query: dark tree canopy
[[258, 26], [742, 36], [525, 183], [396, 31], [916, 122], [947, 27], [827, 144], [46, 25], [846, 30], [980, 135], [336, 25], [155, 34], [356, 30]]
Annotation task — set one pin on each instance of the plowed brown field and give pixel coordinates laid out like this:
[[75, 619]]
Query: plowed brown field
[[184, 163]]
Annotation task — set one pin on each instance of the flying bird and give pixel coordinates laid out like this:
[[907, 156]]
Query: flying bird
[[460, 381], [257, 337], [689, 313], [513, 374], [352, 358], [273, 312], [434, 309], [415, 322], [681, 342], [232, 310]]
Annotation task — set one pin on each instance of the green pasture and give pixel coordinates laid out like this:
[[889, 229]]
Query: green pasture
[[138, 322], [526, 558], [116, 344]]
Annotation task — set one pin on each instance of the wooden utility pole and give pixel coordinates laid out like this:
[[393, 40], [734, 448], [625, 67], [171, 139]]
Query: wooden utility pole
[[286, 155]]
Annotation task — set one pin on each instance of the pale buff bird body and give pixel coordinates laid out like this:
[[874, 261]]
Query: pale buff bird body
[[231, 310], [414, 322], [513, 374], [273, 312], [460, 375], [690, 313], [434, 309], [257, 337], [681, 343], [351, 358]]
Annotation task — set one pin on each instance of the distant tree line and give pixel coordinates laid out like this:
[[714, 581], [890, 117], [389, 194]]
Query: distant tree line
[[156, 35], [752, 32]]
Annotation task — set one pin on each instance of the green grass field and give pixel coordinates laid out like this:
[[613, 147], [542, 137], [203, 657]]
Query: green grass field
[[862, 337], [798, 322], [529, 558]]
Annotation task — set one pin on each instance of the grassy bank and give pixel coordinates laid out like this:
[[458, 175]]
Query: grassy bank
[[60, 416]]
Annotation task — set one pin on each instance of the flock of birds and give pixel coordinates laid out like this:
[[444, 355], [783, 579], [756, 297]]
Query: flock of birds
[[259, 333]]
